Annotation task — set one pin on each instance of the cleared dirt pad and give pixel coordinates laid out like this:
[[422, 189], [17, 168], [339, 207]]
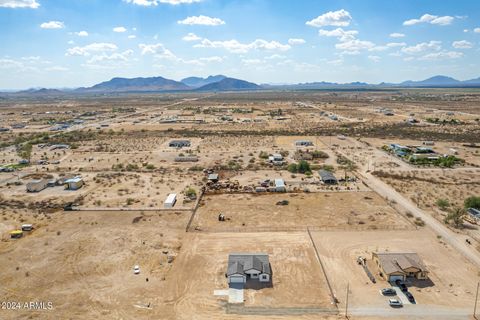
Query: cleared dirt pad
[[200, 269], [362, 210]]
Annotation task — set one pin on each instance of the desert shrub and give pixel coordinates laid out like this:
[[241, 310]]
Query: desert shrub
[[455, 217], [263, 155], [472, 202], [190, 192], [442, 204]]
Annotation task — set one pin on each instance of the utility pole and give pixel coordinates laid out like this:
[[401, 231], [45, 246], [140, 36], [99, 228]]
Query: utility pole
[[346, 301], [475, 307]]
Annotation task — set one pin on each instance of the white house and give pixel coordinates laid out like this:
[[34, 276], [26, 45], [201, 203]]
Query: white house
[[170, 201], [248, 266]]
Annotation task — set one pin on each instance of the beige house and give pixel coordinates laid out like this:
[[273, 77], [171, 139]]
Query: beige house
[[399, 266]]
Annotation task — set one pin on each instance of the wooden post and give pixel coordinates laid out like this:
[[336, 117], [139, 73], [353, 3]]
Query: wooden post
[[475, 307], [346, 301]]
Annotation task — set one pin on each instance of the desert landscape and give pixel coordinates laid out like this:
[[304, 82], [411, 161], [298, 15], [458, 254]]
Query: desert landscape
[[98, 196]]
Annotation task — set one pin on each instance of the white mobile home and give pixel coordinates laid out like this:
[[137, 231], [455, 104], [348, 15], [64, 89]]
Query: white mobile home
[[170, 201], [280, 185]]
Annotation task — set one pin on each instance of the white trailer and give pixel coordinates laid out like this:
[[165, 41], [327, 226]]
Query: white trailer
[[170, 201]]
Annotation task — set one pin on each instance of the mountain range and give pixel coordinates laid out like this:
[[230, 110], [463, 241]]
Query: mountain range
[[223, 83]]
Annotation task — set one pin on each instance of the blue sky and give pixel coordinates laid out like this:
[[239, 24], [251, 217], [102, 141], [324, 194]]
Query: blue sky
[[71, 43]]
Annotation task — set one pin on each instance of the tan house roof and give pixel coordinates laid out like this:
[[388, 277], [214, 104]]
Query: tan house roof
[[399, 262]]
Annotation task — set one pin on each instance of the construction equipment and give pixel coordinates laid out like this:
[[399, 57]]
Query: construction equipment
[[16, 234]]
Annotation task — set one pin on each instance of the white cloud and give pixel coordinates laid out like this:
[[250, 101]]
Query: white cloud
[[52, 25], [191, 37], [442, 55], [201, 20], [132, 36], [91, 48], [354, 46], [275, 56], [211, 59], [432, 19], [462, 44], [116, 56], [340, 18], [57, 68], [238, 47], [82, 33], [148, 3], [32, 4], [396, 44], [397, 35], [295, 41], [476, 30], [119, 29], [339, 33], [336, 62], [10, 64], [422, 47], [374, 58], [250, 62], [158, 50]]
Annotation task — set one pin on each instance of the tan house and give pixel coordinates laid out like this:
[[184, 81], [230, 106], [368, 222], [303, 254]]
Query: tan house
[[399, 266]]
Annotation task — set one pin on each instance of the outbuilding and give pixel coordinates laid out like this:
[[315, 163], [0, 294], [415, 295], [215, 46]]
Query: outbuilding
[[170, 201], [73, 183], [280, 185], [37, 186], [213, 177], [327, 177], [179, 143]]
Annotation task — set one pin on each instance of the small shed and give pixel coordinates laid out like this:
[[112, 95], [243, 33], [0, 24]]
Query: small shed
[[280, 185], [74, 183], [213, 177], [327, 177], [27, 227], [37, 186], [170, 201]]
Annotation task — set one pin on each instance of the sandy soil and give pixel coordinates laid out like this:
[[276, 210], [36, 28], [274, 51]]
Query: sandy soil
[[349, 210]]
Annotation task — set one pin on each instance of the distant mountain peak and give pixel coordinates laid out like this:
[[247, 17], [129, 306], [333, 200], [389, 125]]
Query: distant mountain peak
[[199, 81]]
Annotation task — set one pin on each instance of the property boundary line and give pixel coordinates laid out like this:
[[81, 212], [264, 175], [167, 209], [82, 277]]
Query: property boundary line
[[332, 296], [194, 211]]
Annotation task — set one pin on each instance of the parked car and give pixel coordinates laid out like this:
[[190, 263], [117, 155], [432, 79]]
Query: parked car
[[410, 297], [395, 303], [389, 292], [136, 270], [401, 285]]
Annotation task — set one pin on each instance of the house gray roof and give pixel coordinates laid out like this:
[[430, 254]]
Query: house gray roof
[[238, 263], [326, 175]]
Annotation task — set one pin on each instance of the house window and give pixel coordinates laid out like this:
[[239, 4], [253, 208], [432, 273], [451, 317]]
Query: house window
[[264, 277]]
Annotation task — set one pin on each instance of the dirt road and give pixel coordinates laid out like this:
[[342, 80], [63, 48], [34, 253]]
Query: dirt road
[[457, 241]]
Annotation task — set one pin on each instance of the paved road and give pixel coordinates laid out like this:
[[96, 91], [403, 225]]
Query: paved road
[[412, 312]]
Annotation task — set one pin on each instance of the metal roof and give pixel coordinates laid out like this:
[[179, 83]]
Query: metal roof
[[326, 175]]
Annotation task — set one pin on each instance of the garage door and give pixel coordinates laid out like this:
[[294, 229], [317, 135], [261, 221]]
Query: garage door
[[236, 279], [394, 278]]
